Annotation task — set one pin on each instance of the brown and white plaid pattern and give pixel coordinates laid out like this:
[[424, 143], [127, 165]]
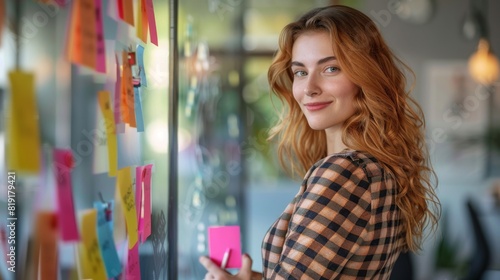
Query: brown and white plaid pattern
[[342, 224]]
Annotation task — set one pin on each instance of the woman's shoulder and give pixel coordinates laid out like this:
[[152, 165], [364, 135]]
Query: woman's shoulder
[[351, 160]]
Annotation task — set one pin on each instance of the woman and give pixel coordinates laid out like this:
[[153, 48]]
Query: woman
[[351, 127]]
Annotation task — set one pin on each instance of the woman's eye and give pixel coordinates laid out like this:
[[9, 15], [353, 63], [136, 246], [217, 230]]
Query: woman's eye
[[332, 69], [299, 73]]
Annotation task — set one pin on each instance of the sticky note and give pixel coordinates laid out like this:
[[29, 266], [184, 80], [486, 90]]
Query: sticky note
[[63, 163], [117, 100], [139, 119], [23, 150], [91, 258], [127, 96], [128, 11], [105, 105], [152, 22], [146, 206], [133, 264], [125, 187], [106, 242], [100, 44], [140, 63], [119, 6], [82, 38], [45, 257], [222, 238], [142, 21], [139, 189]]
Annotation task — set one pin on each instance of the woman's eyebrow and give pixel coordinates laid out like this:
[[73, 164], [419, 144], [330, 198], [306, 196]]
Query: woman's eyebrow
[[321, 61]]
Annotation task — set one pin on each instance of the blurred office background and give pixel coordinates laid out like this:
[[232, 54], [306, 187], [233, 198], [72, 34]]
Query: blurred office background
[[207, 109]]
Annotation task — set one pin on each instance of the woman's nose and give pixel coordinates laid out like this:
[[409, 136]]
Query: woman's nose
[[312, 86]]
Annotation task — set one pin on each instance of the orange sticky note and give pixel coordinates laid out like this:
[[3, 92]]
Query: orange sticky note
[[128, 110], [82, 45], [91, 260], [23, 135], [128, 12], [124, 186], [45, 258], [107, 112]]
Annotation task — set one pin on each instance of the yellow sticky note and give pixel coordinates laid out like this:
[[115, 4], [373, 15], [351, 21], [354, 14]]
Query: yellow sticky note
[[23, 135], [124, 182], [142, 21], [109, 120], [91, 260]]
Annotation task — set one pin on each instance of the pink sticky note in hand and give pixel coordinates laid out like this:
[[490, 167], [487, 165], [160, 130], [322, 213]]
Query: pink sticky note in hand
[[222, 239]]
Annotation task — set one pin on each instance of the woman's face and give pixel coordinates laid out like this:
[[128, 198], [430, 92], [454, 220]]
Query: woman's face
[[322, 90]]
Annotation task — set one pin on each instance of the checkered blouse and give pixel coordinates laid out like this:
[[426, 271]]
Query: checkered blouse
[[342, 224]]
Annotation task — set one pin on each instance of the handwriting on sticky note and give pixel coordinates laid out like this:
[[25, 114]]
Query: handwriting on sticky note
[[133, 264], [93, 265], [127, 97], [83, 34], [222, 238], [140, 62], [63, 163], [124, 183], [100, 45], [23, 132]]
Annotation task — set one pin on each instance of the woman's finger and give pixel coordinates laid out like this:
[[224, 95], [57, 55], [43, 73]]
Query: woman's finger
[[212, 268], [208, 264], [246, 267]]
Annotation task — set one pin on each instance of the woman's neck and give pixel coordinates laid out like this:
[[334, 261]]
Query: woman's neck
[[334, 143]]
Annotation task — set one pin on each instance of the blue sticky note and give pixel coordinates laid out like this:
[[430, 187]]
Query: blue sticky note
[[139, 121], [106, 242], [140, 62]]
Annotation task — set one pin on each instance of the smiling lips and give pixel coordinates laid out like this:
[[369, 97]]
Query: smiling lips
[[315, 106]]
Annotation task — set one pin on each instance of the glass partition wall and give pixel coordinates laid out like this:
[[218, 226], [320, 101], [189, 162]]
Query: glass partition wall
[[225, 110]]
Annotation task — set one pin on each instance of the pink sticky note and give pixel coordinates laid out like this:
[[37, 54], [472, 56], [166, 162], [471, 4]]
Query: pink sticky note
[[138, 196], [63, 161], [151, 22], [118, 84], [100, 65], [146, 219], [133, 266], [222, 238]]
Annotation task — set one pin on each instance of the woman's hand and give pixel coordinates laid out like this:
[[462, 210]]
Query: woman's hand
[[215, 272]]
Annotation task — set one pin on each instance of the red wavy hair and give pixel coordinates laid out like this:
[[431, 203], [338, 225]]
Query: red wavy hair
[[388, 123]]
